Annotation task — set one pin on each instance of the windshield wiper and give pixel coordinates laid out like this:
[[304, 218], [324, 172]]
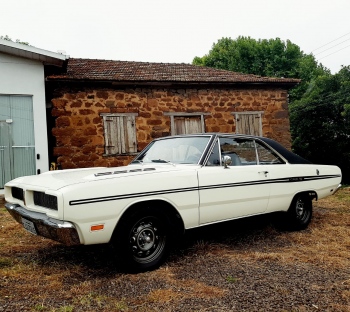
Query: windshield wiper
[[137, 161], [162, 161]]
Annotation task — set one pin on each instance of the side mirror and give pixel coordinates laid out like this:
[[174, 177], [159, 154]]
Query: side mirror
[[226, 160]]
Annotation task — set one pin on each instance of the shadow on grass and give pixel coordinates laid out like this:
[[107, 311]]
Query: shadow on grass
[[103, 260]]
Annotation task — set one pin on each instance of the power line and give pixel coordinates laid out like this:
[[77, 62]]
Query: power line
[[330, 42], [334, 52], [333, 46]]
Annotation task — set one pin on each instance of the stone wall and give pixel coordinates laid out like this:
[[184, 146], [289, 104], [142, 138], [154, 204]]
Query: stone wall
[[79, 126]]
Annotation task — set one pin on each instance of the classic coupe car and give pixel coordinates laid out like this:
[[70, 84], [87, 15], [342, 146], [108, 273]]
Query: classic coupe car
[[176, 183]]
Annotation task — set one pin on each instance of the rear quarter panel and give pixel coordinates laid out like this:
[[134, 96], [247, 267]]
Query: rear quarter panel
[[289, 180]]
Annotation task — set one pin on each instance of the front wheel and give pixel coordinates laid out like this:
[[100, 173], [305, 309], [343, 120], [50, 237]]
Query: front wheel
[[300, 212], [143, 241]]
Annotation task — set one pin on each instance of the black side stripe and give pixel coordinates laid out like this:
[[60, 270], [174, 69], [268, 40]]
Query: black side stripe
[[133, 195], [192, 189]]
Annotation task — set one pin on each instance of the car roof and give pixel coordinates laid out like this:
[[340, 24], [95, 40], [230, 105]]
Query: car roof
[[280, 149]]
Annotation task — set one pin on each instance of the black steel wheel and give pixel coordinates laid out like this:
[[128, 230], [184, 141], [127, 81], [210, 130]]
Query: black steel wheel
[[143, 240], [300, 212]]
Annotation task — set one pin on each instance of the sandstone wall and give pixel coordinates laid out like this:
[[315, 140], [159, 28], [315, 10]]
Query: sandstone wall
[[79, 126]]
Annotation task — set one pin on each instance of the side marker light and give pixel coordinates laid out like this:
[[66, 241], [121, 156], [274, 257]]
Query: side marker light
[[97, 227]]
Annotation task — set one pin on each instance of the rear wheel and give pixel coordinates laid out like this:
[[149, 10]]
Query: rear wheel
[[142, 240], [300, 212]]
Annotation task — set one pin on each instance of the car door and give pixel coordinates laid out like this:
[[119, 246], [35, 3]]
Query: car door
[[238, 190]]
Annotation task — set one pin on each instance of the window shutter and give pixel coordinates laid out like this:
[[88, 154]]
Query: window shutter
[[249, 124], [188, 125], [130, 134], [120, 134], [180, 127], [110, 133]]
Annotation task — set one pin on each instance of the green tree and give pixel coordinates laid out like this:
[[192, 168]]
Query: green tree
[[271, 58], [320, 121]]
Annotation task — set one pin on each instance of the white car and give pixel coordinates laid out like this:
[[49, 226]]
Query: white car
[[176, 183]]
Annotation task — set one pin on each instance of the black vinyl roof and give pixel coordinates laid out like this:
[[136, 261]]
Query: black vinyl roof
[[288, 155]]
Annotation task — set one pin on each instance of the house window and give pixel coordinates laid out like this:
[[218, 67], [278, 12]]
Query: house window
[[119, 134], [186, 123], [249, 123]]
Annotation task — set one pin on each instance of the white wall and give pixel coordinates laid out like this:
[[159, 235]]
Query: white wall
[[20, 76]]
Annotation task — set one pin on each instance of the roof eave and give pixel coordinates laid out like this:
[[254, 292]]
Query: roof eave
[[278, 84], [32, 53]]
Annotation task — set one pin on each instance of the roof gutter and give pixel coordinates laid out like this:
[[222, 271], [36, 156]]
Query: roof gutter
[[32, 53]]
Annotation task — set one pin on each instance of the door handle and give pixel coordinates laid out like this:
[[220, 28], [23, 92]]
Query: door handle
[[263, 172]]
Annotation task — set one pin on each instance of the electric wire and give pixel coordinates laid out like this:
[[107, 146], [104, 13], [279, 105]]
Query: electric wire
[[334, 52], [332, 47], [330, 42]]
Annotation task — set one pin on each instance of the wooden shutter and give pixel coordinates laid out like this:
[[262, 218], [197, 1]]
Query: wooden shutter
[[249, 123], [188, 125], [120, 135], [110, 133], [130, 134]]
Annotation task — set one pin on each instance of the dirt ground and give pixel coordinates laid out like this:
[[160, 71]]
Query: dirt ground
[[244, 265]]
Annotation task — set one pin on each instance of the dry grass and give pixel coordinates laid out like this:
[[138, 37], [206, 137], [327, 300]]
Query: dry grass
[[243, 266]]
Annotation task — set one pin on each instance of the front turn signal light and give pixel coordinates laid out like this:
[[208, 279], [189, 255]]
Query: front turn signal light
[[97, 227]]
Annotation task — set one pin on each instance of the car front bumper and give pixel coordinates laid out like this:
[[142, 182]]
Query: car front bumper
[[57, 230]]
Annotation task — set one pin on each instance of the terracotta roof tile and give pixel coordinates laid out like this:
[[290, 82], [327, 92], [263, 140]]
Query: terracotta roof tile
[[124, 71]]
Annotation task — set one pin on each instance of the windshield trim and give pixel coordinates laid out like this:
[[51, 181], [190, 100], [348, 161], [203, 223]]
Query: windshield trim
[[139, 157]]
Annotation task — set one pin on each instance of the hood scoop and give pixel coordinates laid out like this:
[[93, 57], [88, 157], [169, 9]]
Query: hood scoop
[[122, 171]]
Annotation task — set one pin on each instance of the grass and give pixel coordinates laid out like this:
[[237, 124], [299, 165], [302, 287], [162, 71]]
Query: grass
[[37, 274]]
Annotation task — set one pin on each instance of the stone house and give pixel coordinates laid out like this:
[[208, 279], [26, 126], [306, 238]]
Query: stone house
[[104, 112]]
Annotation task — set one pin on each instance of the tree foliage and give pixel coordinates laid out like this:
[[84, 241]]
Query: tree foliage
[[264, 57], [320, 121]]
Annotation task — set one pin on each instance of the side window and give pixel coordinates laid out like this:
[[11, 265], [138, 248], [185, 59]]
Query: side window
[[266, 156], [241, 151], [119, 134]]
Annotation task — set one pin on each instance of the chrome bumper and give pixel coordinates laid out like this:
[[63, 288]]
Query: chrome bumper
[[60, 231]]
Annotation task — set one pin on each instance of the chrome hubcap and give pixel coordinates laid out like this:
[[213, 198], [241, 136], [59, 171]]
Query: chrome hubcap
[[300, 208], [146, 241]]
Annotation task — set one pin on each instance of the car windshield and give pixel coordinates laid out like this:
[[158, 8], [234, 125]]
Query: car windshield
[[176, 150]]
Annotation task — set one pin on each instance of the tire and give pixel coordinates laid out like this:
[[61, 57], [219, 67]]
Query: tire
[[142, 240], [300, 212]]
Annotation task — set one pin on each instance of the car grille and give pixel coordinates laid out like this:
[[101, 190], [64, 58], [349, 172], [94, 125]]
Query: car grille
[[17, 193], [44, 200]]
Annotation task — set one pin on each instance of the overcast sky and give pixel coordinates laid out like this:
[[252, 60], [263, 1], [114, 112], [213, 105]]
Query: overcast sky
[[176, 31]]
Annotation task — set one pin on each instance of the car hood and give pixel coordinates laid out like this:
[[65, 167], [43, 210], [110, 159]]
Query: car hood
[[58, 179]]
